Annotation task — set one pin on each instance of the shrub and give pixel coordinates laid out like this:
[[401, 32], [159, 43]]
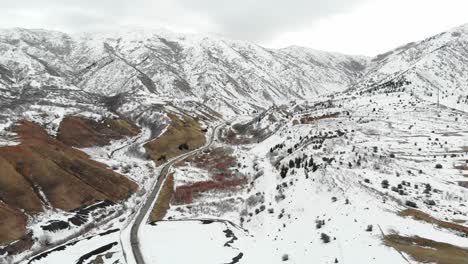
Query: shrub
[[284, 172], [411, 204], [430, 202], [183, 146], [385, 184], [319, 224], [325, 238], [427, 189]]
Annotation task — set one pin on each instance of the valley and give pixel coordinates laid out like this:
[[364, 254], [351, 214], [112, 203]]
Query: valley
[[157, 147]]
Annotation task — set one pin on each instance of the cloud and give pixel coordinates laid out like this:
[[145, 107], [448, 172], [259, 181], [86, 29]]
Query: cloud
[[254, 20], [84, 15], [261, 20]]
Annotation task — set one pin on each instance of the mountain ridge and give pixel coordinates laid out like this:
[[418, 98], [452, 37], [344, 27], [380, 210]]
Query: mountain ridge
[[175, 65]]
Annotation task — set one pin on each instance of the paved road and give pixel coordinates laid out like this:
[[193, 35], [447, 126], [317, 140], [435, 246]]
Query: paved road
[[148, 204]]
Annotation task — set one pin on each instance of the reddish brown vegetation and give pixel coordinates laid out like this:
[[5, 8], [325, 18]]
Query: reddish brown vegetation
[[82, 132], [66, 176], [219, 163], [311, 119]]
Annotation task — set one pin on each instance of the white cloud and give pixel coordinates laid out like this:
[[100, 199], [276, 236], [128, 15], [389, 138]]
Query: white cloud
[[349, 26], [378, 26]]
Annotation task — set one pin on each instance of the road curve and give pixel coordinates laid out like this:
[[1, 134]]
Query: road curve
[[148, 203]]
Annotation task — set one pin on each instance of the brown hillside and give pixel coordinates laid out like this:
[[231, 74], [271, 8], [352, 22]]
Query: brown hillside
[[183, 135], [12, 223], [427, 251], [82, 132], [66, 176]]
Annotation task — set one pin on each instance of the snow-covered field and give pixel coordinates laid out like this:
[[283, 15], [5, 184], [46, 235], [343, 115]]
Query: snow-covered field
[[395, 139], [193, 241], [100, 248], [339, 154]]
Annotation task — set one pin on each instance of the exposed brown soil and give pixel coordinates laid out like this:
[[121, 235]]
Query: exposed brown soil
[[420, 216], [67, 177], [24, 242], [12, 223], [183, 135], [82, 132], [164, 199], [234, 138], [426, 250], [242, 134], [185, 194]]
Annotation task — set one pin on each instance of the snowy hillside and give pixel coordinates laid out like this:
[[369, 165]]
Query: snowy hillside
[[234, 153], [435, 65], [173, 65]]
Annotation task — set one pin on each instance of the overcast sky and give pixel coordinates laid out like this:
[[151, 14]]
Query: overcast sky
[[367, 27]]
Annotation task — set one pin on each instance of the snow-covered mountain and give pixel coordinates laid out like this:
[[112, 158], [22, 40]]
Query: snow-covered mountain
[[438, 64], [173, 65], [361, 167]]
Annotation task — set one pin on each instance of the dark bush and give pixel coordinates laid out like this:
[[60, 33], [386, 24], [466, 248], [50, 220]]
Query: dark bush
[[325, 238], [411, 204], [430, 202], [385, 184], [183, 146], [319, 223]]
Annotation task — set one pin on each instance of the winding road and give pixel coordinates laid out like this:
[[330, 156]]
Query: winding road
[[143, 213]]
